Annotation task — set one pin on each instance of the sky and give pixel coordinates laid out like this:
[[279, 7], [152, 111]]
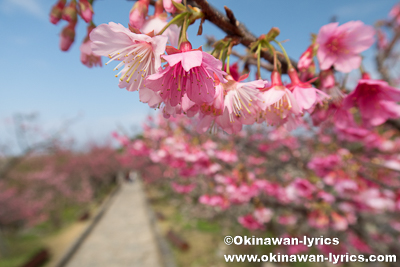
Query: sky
[[36, 76]]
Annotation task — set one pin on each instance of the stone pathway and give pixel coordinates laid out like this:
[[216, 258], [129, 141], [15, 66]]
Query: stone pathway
[[123, 237]]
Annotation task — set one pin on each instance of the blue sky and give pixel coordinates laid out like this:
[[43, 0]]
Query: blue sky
[[37, 77]]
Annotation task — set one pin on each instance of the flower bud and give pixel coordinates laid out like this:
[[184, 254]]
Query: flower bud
[[86, 10], [67, 37], [158, 8], [169, 6], [138, 13], [186, 46], [56, 11], [70, 12], [306, 59], [273, 33]]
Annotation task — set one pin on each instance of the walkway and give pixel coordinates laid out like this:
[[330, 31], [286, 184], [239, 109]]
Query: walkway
[[123, 237]]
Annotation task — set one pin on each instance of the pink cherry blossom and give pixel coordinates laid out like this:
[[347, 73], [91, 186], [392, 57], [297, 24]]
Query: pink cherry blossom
[[70, 12], [358, 244], [86, 10], [169, 7], [306, 96], [183, 189], [249, 222], [328, 84], [56, 11], [263, 215], [300, 188], [138, 13], [214, 201], [156, 24], [150, 97], [383, 41], [289, 219], [188, 72], [375, 99], [67, 37], [318, 219], [339, 222], [278, 98], [395, 13], [87, 57], [138, 53], [209, 112], [340, 46], [306, 59], [241, 99]]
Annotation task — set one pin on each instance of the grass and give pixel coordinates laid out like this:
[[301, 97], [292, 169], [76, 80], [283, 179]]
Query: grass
[[20, 248]]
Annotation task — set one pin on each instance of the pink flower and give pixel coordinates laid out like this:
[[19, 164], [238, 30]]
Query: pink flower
[[279, 99], [188, 72], [306, 59], [70, 12], [318, 219], [214, 201], [339, 223], [263, 215], [138, 53], [158, 21], [357, 243], [340, 45], [156, 24], [287, 219], [375, 99], [123, 140], [328, 84], [87, 57], [242, 193], [327, 197], [209, 112], [150, 97], [67, 37], [382, 39], [226, 156], [249, 222], [138, 13], [301, 187], [86, 10], [56, 11], [241, 99], [395, 13], [183, 189], [230, 127], [169, 6], [323, 165], [376, 200], [306, 96], [306, 64]]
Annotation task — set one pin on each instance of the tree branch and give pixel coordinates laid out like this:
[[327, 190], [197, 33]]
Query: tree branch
[[237, 29]]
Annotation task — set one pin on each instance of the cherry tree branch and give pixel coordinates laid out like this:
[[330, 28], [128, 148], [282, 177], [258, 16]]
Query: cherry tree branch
[[231, 26]]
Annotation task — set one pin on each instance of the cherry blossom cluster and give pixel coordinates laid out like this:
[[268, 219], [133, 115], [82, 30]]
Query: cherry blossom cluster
[[69, 12], [329, 184], [181, 80], [44, 184]]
